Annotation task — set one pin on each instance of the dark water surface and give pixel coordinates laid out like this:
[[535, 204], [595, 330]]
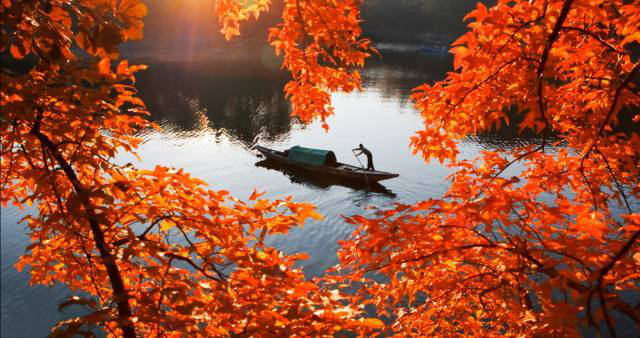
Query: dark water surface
[[211, 112]]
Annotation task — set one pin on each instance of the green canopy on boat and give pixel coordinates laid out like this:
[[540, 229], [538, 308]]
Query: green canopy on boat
[[313, 157]]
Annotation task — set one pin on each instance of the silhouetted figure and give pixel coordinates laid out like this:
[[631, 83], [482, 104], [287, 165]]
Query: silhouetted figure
[[366, 151]]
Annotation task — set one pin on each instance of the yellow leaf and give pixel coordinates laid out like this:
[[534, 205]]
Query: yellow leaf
[[451, 264], [373, 323], [261, 255], [166, 225]]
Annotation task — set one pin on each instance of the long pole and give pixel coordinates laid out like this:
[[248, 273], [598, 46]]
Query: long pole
[[366, 180]]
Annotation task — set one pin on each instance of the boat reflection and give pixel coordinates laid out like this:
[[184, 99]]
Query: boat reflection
[[303, 177]]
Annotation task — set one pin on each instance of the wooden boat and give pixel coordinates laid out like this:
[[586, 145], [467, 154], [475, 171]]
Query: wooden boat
[[323, 162]]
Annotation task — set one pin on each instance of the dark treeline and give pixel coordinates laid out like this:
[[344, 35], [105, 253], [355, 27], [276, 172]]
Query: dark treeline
[[191, 26], [416, 21]]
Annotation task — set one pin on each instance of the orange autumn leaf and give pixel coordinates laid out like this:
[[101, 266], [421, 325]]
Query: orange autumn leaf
[[104, 66], [255, 195]]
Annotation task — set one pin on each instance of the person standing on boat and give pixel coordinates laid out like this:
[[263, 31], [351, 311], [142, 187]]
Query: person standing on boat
[[366, 151]]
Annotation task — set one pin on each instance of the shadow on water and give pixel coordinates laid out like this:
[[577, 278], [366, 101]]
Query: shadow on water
[[303, 177]]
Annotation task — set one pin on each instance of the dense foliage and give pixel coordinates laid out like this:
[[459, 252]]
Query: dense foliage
[[157, 251], [552, 245], [540, 249]]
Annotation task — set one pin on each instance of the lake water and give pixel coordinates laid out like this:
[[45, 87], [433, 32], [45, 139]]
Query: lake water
[[211, 112]]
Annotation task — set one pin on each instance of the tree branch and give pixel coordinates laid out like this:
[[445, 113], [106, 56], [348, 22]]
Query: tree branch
[[115, 276], [591, 34], [543, 62]]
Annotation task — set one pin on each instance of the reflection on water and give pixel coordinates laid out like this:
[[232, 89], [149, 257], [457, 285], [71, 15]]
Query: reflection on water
[[210, 114], [240, 100], [396, 74], [492, 141], [246, 100], [311, 180]]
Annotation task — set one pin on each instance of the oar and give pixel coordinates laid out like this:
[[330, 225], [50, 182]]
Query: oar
[[366, 180], [254, 142]]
